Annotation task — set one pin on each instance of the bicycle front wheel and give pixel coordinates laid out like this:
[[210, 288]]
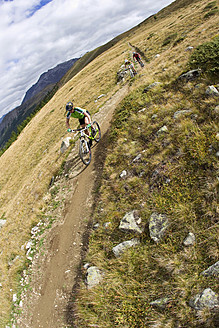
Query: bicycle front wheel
[[97, 135], [84, 151]]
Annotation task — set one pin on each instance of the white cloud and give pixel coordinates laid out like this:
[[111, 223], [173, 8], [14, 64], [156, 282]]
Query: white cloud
[[36, 36]]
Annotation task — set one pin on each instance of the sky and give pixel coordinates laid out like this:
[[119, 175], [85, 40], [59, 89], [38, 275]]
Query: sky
[[37, 35]]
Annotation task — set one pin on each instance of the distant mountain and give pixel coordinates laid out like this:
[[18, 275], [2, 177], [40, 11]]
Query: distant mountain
[[52, 76], [32, 99]]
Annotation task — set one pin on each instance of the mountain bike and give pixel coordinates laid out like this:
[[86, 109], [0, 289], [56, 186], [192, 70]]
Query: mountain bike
[[131, 71], [140, 62], [94, 133]]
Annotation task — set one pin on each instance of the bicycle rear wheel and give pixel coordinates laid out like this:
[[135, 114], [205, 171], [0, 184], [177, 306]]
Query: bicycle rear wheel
[[84, 151], [97, 135]]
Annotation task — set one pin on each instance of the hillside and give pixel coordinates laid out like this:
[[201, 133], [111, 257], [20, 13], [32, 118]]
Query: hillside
[[158, 159]]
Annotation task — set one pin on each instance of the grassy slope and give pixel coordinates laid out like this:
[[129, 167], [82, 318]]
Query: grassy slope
[[30, 162], [176, 176]]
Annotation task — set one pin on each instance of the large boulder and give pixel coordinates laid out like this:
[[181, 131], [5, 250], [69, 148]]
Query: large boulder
[[207, 298]]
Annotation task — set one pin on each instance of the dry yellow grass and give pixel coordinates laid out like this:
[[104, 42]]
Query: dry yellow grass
[[29, 164]]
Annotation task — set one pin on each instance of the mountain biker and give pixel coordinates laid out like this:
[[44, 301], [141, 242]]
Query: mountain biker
[[82, 114], [131, 65], [136, 57]]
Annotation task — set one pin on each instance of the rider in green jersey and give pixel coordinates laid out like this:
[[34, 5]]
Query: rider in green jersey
[[82, 114]]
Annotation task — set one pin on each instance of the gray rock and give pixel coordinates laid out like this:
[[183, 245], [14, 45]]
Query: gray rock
[[151, 86], [137, 158], [164, 129], [65, 144], [191, 75], [94, 277], [2, 222], [161, 302], [180, 113], [213, 270], [157, 226], [189, 48], [207, 298], [123, 174], [131, 223], [212, 91], [189, 240], [122, 247]]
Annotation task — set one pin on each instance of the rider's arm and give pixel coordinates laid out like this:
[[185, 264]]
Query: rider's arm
[[67, 123]]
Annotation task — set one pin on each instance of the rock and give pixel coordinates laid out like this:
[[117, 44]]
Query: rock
[[122, 247], [157, 56], [161, 302], [142, 110], [158, 224], [212, 91], [207, 298], [181, 113], [213, 270], [151, 86], [123, 174], [137, 158], [2, 222], [65, 144], [94, 277], [191, 75], [162, 130], [189, 48], [154, 116], [131, 223], [189, 240]]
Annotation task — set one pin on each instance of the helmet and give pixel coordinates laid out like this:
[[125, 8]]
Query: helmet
[[69, 105]]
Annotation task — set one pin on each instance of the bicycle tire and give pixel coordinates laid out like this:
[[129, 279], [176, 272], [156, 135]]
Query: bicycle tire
[[84, 151], [98, 132]]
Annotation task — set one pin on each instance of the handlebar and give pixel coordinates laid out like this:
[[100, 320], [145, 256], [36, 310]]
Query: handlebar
[[80, 129]]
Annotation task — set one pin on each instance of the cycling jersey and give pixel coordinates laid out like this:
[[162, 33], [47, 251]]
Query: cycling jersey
[[137, 56], [78, 113]]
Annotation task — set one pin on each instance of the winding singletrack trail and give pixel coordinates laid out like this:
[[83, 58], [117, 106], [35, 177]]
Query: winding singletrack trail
[[50, 303]]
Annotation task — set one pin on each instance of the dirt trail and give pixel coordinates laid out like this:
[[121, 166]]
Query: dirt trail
[[52, 283]]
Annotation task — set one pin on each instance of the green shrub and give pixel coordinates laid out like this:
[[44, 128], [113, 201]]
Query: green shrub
[[211, 13], [206, 57], [210, 5]]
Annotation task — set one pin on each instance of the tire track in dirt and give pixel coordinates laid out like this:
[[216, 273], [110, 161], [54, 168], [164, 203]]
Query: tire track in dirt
[[51, 302]]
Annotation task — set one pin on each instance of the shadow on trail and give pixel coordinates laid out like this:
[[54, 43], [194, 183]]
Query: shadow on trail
[[99, 160]]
